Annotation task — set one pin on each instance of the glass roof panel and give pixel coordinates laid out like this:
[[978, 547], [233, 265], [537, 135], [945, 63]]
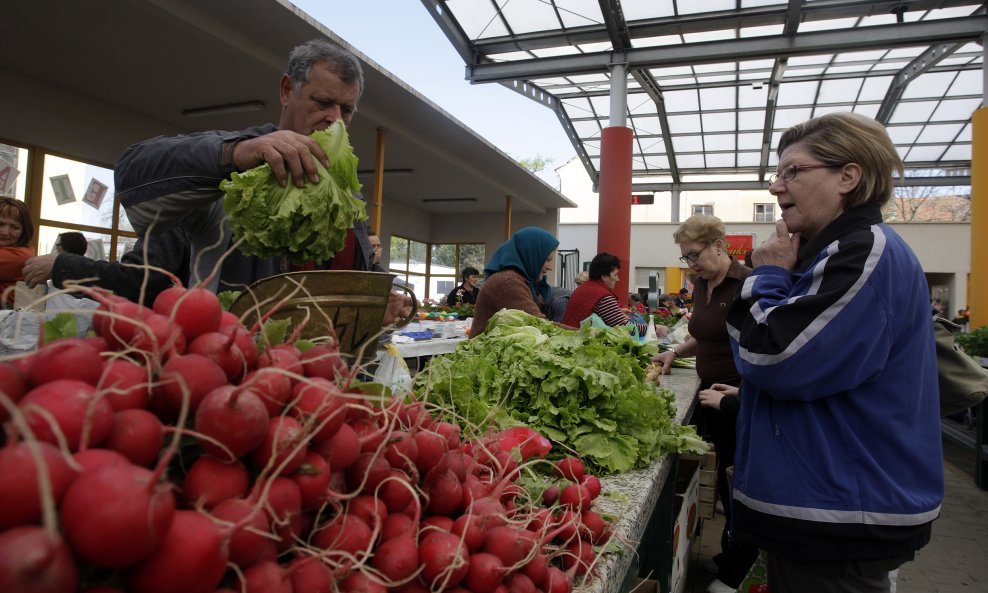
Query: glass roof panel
[[968, 82], [526, 16], [579, 13], [752, 95], [691, 161], [749, 141], [645, 9], [687, 143], [764, 31], [931, 84], [828, 25], [640, 103], [958, 152], [925, 153], [940, 133], [677, 101], [718, 98], [705, 6], [904, 134], [749, 159], [913, 111], [648, 125], [797, 93], [839, 90], [684, 124], [474, 17], [657, 162], [718, 122], [586, 129], [786, 118], [709, 36], [955, 109], [875, 88], [721, 161]]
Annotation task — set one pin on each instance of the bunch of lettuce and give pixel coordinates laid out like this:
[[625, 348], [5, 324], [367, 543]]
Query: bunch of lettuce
[[583, 389], [303, 224]]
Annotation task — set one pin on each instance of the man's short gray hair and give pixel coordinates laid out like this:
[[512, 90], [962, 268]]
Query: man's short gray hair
[[339, 59]]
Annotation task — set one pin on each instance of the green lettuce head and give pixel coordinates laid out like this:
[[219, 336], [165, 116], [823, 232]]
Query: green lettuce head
[[306, 224]]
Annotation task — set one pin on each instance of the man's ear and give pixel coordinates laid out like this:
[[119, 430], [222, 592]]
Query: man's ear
[[850, 177], [285, 89]]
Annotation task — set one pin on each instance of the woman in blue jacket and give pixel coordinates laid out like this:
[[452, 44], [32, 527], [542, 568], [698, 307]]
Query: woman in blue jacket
[[839, 468]]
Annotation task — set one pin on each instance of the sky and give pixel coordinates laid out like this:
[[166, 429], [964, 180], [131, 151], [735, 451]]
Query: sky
[[402, 37]]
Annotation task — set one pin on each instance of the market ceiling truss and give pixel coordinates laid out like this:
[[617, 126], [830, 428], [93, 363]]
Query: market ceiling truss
[[559, 63]]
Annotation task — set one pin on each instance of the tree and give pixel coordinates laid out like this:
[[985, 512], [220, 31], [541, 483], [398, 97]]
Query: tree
[[928, 203], [539, 165]]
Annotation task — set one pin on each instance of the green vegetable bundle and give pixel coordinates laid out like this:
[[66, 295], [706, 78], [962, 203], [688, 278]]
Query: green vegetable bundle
[[303, 224], [583, 389]]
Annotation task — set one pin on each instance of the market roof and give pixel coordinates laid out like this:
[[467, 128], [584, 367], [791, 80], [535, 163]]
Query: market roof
[[713, 84], [86, 79]]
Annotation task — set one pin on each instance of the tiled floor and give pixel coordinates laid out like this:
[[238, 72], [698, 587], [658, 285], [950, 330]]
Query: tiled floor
[[955, 561]]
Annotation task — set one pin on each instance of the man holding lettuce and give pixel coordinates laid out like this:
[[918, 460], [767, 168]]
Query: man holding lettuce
[[176, 182]]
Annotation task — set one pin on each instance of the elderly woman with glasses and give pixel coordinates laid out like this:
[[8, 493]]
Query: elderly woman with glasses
[[703, 244], [839, 467]]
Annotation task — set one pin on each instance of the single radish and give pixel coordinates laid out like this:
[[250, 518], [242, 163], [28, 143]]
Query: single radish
[[189, 376], [78, 415], [273, 386], [13, 384], [444, 490], [190, 559], [323, 361], [557, 581], [20, 499], [397, 558], [210, 482], [196, 310], [358, 582], [401, 450], [346, 534], [282, 501], [32, 560], [342, 449], [281, 450], [571, 468], [312, 478], [281, 356], [67, 358], [595, 528], [444, 558], [115, 515], [242, 525], [579, 556], [137, 434], [93, 459], [124, 384], [593, 484], [310, 575], [265, 577], [368, 508], [576, 497], [319, 406], [485, 573], [367, 472], [509, 544], [235, 419]]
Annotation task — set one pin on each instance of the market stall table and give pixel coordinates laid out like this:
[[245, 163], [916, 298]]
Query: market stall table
[[638, 494]]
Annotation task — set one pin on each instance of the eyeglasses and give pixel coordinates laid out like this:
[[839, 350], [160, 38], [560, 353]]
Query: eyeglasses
[[789, 173], [691, 257]]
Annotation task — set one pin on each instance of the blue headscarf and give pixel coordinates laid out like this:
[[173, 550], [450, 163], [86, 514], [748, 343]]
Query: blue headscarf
[[526, 251]]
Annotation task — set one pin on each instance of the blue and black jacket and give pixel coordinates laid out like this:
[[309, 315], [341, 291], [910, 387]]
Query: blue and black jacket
[[839, 453]]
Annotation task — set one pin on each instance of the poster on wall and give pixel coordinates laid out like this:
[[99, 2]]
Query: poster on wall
[[740, 245], [62, 187], [8, 175], [95, 193]]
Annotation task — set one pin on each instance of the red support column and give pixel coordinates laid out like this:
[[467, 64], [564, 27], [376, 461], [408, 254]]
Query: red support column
[[614, 218]]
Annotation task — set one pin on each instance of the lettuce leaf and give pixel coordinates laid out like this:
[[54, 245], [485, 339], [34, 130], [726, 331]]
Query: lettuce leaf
[[582, 389], [303, 224]]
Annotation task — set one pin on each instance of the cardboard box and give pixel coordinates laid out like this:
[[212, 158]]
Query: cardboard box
[[708, 477], [687, 518], [706, 510], [647, 586]]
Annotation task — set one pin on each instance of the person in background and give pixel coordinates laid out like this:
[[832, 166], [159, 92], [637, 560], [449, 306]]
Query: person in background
[[175, 181], [635, 304], [667, 306], [16, 232], [596, 295], [515, 277], [466, 293], [683, 299], [129, 277], [559, 299], [581, 278], [375, 244], [703, 243], [839, 471], [71, 242]]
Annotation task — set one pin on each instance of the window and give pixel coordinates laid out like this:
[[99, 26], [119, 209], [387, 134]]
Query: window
[[707, 209], [764, 212], [433, 269], [72, 196]]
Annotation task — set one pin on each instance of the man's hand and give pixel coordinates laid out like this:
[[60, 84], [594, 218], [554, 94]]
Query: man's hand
[[778, 250], [287, 152], [711, 397], [38, 270], [399, 307]]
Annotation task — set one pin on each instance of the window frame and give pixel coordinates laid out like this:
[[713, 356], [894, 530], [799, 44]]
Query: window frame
[[768, 214], [428, 275], [699, 209]]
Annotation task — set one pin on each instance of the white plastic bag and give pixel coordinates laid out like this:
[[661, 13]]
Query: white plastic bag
[[392, 371]]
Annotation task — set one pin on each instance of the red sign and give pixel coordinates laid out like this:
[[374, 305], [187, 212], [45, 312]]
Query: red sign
[[740, 245]]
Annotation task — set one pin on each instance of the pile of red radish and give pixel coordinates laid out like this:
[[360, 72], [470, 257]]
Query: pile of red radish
[[171, 453]]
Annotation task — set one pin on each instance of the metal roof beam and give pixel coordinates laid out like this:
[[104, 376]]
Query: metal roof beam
[[921, 64], [959, 181], [753, 16], [814, 43]]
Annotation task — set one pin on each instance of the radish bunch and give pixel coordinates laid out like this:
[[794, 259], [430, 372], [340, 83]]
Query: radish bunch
[[173, 452]]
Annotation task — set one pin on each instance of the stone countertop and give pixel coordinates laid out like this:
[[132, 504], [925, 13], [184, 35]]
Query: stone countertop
[[635, 493]]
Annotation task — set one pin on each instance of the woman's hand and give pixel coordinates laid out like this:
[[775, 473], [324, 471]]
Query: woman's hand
[[38, 270], [778, 250], [711, 397], [665, 359]]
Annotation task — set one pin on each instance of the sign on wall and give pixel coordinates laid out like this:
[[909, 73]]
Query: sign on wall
[[95, 193], [740, 245], [62, 187], [8, 174]]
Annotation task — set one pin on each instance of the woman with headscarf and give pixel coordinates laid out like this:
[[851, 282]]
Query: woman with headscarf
[[515, 277]]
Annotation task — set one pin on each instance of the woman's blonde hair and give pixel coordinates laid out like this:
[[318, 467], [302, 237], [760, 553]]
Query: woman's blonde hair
[[701, 228], [841, 138]]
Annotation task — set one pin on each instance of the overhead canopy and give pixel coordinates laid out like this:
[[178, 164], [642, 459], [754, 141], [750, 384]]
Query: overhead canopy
[[712, 84], [86, 79]]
